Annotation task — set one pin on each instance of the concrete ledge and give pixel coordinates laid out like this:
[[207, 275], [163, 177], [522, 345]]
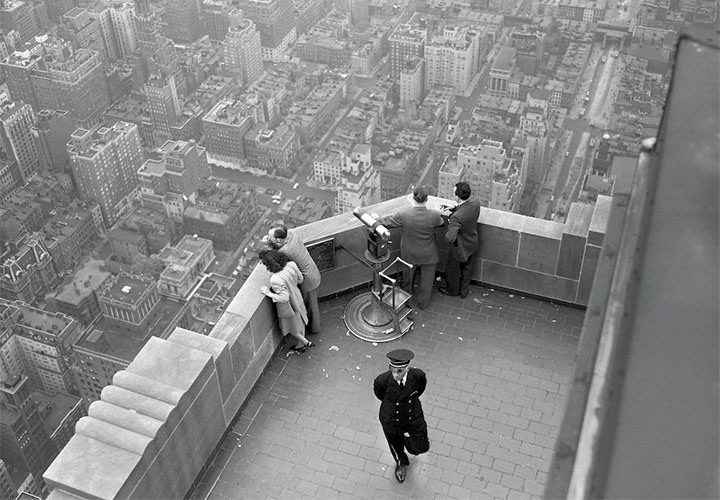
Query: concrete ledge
[[218, 349], [147, 387], [88, 468], [138, 403], [531, 282], [127, 419], [113, 435]]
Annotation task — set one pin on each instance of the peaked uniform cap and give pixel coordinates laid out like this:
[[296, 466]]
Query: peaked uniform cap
[[400, 357]]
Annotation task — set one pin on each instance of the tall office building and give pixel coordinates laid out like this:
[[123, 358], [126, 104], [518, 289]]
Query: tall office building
[[101, 13], [84, 30], [52, 131], [173, 180], [273, 150], [227, 123], [450, 173], [275, 21], [56, 8], [7, 483], [406, 43], [25, 441], [104, 163], [507, 186], [359, 11], [122, 17], [452, 59], [35, 425], [480, 164], [185, 164], [16, 125], [27, 18], [218, 17], [7, 183], [501, 71], [164, 106], [19, 484], [242, 53], [156, 50], [16, 70], [412, 82], [359, 184], [529, 46], [73, 80], [107, 16], [38, 344], [50, 74], [181, 19]]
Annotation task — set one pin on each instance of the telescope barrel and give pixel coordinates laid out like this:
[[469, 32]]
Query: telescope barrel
[[371, 222]]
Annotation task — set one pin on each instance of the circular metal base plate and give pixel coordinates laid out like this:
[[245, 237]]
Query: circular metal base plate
[[356, 324]]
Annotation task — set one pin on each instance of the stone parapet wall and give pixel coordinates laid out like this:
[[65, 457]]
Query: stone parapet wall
[[543, 258], [155, 428]]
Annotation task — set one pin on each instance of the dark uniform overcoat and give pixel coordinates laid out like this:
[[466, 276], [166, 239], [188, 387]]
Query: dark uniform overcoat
[[401, 412]]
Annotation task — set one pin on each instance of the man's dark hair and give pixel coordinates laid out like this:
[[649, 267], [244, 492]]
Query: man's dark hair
[[420, 194], [273, 260], [462, 190], [279, 232]]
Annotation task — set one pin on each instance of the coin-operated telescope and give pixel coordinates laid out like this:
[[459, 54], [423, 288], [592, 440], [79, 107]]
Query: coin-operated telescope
[[378, 235]]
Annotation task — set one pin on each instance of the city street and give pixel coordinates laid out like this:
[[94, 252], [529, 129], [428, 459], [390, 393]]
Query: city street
[[274, 183], [565, 172], [304, 186]]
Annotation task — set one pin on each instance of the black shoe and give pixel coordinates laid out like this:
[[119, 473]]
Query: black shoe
[[400, 473], [303, 348], [445, 291]]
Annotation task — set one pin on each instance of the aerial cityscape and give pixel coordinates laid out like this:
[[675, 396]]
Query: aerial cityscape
[[147, 147]]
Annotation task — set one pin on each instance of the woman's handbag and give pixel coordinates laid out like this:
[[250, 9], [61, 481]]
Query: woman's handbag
[[284, 309]]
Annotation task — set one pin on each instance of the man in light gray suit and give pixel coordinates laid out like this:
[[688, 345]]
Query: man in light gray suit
[[418, 245]]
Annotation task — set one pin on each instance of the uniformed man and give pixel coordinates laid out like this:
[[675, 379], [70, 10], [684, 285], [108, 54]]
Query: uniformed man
[[401, 415]]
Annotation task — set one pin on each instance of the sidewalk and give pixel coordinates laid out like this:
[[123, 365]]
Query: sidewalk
[[498, 367]]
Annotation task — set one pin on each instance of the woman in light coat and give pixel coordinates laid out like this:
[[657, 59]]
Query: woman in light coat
[[285, 277]]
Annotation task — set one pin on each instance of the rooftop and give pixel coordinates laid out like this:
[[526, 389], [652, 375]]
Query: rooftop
[[193, 244], [122, 344], [498, 368], [126, 288], [54, 407], [87, 279]]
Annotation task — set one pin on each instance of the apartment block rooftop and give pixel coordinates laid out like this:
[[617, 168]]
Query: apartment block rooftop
[[408, 33], [232, 111], [86, 280], [551, 379]]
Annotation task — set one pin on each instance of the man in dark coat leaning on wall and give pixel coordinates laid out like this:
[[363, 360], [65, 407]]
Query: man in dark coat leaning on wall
[[464, 242]]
